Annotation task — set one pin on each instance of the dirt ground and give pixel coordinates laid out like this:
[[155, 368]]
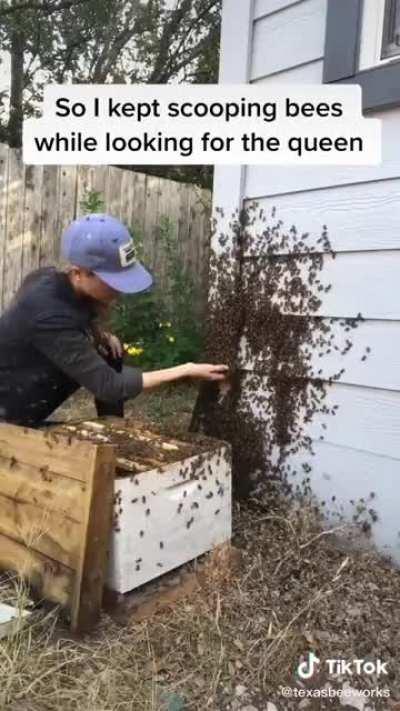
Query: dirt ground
[[241, 631]]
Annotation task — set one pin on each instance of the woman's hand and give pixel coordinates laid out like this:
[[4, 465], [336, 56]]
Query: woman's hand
[[207, 371], [204, 371], [114, 344]]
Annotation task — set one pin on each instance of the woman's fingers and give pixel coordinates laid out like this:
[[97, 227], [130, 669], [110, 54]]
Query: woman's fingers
[[115, 346], [209, 371], [120, 349], [217, 376], [218, 372]]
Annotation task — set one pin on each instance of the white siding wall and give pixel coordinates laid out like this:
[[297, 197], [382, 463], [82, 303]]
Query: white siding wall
[[361, 208]]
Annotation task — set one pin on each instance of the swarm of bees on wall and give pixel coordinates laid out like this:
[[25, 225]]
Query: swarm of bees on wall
[[266, 287]]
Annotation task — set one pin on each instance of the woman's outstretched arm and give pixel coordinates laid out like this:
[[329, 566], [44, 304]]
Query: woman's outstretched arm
[[200, 371]]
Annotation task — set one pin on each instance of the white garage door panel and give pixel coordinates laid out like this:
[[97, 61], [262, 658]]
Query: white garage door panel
[[358, 217], [368, 419], [265, 7], [289, 38], [310, 73], [349, 476], [362, 282], [380, 370], [264, 180]]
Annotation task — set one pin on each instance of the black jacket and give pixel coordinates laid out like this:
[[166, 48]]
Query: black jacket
[[46, 352]]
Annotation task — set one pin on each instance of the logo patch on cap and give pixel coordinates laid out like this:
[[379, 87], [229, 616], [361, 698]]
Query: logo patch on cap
[[127, 254]]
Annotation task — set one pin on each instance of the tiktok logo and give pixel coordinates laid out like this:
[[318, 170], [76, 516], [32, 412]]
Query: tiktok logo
[[306, 669]]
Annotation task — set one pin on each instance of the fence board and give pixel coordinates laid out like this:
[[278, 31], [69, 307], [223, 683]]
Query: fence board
[[33, 181], [38, 202], [114, 191], [184, 222], [126, 204], [4, 156], [84, 184], [49, 244], [14, 237], [167, 190], [139, 197], [101, 180], [68, 181], [151, 218]]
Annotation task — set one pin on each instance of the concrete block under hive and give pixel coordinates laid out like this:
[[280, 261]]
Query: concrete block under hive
[[172, 499]]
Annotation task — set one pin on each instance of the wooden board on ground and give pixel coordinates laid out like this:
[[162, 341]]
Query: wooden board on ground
[[215, 570], [56, 499]]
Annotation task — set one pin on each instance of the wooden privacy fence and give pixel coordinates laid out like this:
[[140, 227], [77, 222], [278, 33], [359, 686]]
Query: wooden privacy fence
[[38, 202]]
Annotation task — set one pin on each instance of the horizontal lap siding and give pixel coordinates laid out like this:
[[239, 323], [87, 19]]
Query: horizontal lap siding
[[355, 475], [368, 419], [276, 179], [310, 73], [365, 216], [267, 7], [361, 209], [381, 367], [289, 38], [365, 283]]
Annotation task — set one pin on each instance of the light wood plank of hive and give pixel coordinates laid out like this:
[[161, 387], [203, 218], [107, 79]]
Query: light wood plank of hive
[[56, 497]]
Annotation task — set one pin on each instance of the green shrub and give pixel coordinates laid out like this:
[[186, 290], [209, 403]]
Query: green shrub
[[160, 327], [92, 202]]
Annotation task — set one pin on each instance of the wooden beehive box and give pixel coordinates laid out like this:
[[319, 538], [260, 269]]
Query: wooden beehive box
[[172, 499], [56, 496]]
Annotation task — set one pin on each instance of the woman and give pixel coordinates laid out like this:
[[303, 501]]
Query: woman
[[50, 339]]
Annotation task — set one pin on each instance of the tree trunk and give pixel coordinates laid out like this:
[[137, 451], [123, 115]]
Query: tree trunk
[[14, 128]]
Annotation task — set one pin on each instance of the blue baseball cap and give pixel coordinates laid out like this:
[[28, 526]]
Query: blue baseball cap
[[103, 244]]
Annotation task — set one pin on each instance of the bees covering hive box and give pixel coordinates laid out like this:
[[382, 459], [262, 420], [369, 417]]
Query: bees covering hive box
[[172, 499]]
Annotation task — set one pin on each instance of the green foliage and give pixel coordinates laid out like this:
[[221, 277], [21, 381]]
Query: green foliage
[[161, 326], [117, 42], [92, 202]]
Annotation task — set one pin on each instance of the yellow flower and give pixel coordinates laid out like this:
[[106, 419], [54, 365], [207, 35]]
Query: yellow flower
[[171, 339], [160, 325], [168, 324], [135, 351]]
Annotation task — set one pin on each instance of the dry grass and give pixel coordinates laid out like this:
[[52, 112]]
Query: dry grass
[[165, 404], [295, 590]]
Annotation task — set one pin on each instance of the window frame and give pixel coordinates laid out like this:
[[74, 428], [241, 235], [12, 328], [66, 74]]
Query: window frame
[[386, 27], [380, 84]]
